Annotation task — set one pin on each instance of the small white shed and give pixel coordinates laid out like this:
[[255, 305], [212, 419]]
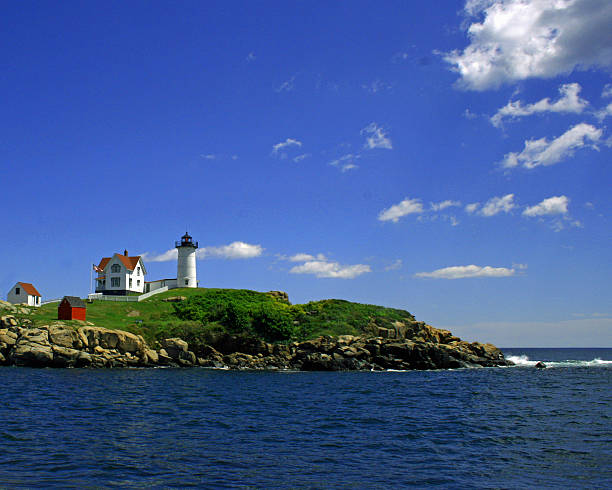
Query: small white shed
[[24, 292]]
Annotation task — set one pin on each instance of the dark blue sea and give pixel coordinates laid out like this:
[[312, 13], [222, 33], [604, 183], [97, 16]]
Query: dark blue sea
[[517, 427]]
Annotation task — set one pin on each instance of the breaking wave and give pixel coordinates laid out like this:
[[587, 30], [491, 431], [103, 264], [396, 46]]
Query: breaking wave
[[524, 360]]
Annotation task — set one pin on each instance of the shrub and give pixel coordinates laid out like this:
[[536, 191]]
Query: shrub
[[273, 323]]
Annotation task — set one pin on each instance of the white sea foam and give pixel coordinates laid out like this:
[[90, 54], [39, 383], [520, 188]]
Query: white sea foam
[[521, 360], [524, 360]]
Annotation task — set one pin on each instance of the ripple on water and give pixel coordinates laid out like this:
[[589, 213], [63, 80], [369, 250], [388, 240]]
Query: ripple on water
[[179, 428]]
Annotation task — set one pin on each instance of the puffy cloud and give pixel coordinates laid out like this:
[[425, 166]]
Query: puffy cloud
[[235, 250], [543, 152], [404, 208], [607, 91], [605, 112], [168, 255], [376, 137], [472, 207], [464, 271], [569, 102], [444, 204], [320, 266], [518, 39], [497, 205], [278, 148], [552, 205]]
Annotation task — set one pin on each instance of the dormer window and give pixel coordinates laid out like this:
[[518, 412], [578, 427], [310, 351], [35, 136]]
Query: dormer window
[[115, 268]]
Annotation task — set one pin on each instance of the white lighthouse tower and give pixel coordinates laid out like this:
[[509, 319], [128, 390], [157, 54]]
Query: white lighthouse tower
[[186, 270]]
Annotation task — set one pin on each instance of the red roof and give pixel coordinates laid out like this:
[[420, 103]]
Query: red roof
[[129, 262], [28, 288]]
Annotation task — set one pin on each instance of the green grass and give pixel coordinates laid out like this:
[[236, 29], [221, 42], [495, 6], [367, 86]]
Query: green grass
[[209, 310]]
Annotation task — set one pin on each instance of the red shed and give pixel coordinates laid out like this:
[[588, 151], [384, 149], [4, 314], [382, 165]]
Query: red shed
[[71, 308]]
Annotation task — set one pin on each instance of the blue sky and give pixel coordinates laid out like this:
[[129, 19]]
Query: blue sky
[[450, 159]]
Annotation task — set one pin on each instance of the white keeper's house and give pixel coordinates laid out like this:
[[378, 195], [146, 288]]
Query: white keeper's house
[[24, 292], [120, 275]]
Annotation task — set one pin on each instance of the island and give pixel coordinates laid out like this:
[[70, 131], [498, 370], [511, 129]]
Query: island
[[234, 329]]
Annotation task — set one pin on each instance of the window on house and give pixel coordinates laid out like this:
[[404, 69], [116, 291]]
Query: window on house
[[115, 282], [138, 282], [186, 282], [130, 282], [138, 271], [116, 268], [17, 290]]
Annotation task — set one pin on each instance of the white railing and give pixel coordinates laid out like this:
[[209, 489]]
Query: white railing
[[126, 299], [152, 293], [56, 300]]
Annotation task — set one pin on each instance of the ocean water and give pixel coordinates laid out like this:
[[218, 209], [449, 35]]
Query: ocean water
[[514, 427]]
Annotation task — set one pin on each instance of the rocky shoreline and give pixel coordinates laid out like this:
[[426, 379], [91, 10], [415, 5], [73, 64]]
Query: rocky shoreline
[[416, 346]]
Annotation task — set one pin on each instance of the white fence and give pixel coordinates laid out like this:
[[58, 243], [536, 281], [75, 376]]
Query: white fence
[[126, 299], [56, 300]]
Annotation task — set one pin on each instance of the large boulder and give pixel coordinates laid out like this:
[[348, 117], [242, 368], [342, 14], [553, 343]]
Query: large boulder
[[8, 337], [113, 339], [174, 347], [65, 357], [32, 349], [63, 336], [7, 321]]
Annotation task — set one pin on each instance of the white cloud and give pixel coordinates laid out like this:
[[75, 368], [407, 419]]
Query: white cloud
[[397, 265], [605, 112], [302, 257], [320, 266], [465, 271], [286, 86], [569, 102], [376, 137], [299, 158], [552, 205], [277, 149], [404, 208], [346, 162], [210, 156], [250, 57], [518, 39], [469, 114], [325, 269], [472, 207], [497, 205], [235, 250], [168, 255], [607, 91], [543, 152], [444, 204]]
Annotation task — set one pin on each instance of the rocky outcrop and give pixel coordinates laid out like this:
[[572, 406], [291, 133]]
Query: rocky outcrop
[[441, 350], [60, 345], [406, 346]]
